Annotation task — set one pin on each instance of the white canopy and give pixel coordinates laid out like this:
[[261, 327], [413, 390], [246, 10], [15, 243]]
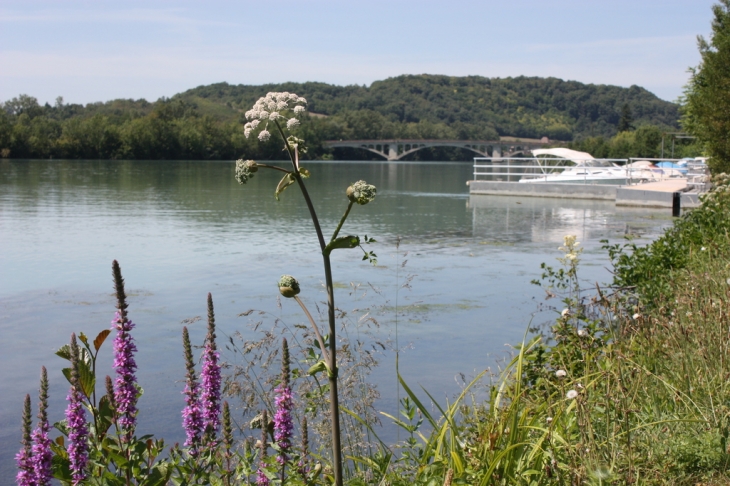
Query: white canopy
[[565, 153]]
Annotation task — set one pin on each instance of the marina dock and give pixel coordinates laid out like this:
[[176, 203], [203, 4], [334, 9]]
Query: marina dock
[[653, 194]]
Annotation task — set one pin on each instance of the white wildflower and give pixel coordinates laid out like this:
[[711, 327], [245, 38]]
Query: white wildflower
[[582, 333], [263, 115], [571, 256], [299, 109], [569, 240], [571, 394], [254, 123], [728, 281], [702, 249], [292, 123], [264, 135], [636, 316], [249, 114], [565, 312], [247, 131], [561, 373], [302, 100], [549, 420], [274, 115], [281, 105]]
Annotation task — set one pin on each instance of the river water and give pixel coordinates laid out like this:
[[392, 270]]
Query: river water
[[185, 228]]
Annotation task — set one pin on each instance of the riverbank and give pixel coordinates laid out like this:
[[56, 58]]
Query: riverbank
[[629, 386]]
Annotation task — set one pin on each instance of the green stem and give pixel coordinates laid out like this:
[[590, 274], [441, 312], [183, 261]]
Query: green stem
[[267, 166], [316, 331], [334, 397], [342, 221]]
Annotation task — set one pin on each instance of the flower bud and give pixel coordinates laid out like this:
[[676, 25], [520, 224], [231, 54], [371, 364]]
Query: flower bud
[[245, 170], [288, 286], [361, 192]]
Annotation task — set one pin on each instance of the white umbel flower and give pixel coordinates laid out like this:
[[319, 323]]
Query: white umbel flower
[[264, 135], [299, 109], [292, 123], [274, 115]]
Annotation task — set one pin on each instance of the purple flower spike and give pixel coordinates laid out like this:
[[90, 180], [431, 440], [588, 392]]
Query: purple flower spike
[[261, 479], [76, 421], [41, 443], [124, 349], [192, 418], [126, 382], [283, 424], [24, 458], [210, 377]]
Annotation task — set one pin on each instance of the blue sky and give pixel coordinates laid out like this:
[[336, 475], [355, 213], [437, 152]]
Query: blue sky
[[90, 51]]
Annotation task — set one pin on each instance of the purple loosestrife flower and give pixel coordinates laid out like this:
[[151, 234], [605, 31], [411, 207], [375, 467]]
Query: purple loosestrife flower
[[76, 421], [192, 419], [124, 364], [125, 384], [283, 424], [24, 458], [41, 443], [210, 377]]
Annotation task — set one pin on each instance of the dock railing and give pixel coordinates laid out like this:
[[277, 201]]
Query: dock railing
[[515, 169]]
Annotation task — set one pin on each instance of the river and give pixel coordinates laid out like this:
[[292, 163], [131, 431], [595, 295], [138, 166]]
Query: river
[[181, 229]]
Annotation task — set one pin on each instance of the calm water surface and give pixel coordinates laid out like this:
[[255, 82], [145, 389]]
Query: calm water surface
[[183, 229]]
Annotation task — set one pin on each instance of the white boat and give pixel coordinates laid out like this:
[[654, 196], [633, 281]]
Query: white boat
[[562, 165]]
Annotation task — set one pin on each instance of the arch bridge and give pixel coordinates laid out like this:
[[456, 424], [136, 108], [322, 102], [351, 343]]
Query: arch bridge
[[397, 149]]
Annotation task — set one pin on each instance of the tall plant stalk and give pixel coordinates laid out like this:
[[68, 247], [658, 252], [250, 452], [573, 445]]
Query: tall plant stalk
[[267, 111]]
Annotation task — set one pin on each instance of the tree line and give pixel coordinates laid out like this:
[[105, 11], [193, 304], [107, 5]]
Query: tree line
[[207, 122]]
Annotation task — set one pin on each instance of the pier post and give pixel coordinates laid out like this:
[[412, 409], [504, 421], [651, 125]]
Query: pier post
[[676, 204]]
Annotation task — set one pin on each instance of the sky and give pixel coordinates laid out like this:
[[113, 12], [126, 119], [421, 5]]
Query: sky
[[89, 51]]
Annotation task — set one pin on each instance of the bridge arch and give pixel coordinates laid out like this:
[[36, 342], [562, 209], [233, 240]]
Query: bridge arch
[[393, 150]]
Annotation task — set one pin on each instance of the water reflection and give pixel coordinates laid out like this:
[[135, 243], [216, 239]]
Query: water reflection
[[513, 219]]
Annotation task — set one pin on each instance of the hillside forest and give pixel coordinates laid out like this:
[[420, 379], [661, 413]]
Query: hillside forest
[[207, 122]]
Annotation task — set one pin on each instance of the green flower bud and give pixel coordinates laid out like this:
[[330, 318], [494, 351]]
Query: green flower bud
[[245, 170], [361, 192], [288, 286]]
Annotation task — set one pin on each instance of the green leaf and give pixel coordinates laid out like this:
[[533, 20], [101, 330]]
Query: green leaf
[[106, 415], [61, 468], [319, 367], [100, 338], [83, 338], [64, 352], [87, 380], [343, 242], [285, 182]]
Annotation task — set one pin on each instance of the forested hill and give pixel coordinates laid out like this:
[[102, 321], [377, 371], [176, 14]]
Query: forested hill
[[480, 107], [206, 122]]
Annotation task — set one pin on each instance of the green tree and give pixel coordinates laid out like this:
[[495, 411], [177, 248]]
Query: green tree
[[706, 110], [626, 120]]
